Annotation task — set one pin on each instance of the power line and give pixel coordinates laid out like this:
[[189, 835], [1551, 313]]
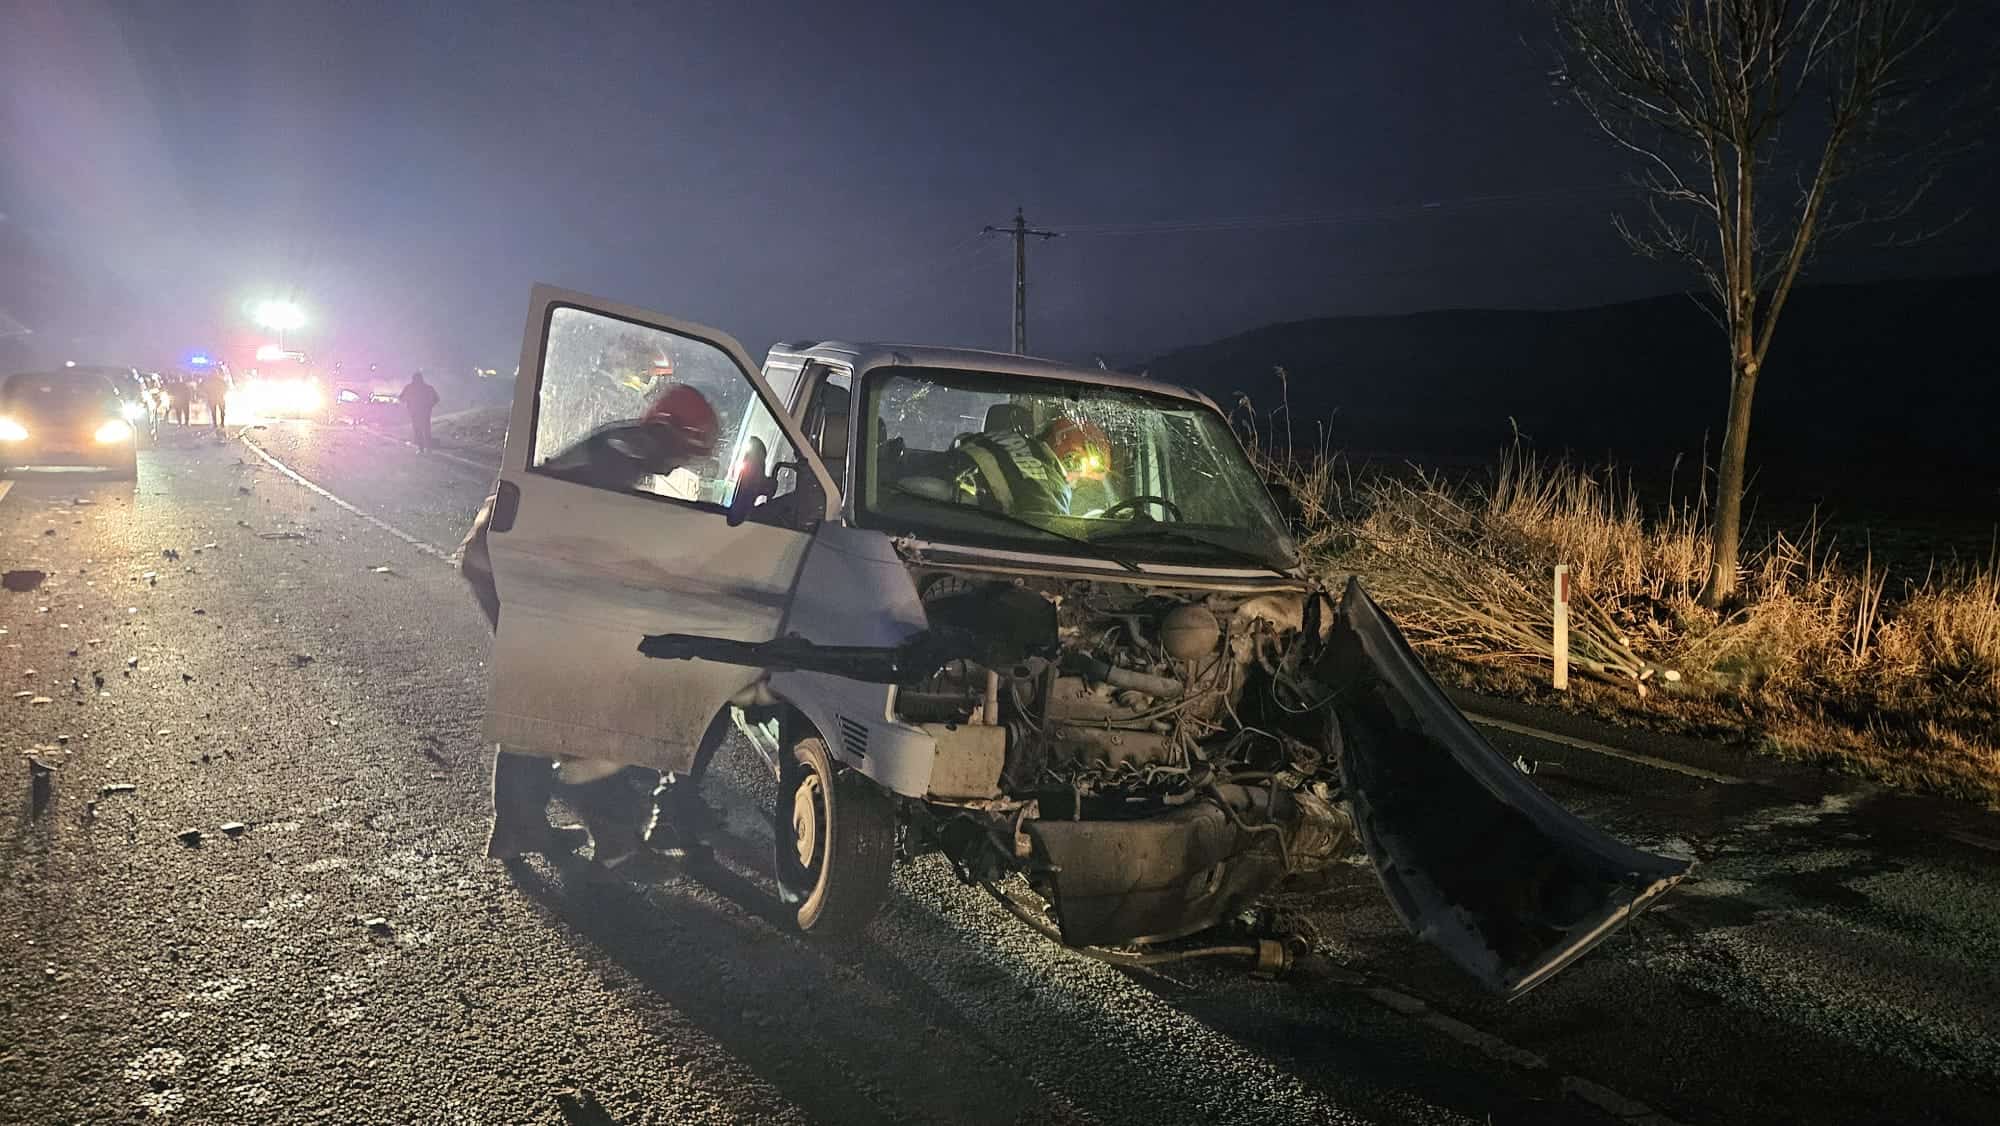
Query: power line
[[1020, 230]]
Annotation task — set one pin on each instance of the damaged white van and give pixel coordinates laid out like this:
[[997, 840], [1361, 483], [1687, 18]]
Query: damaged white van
[[1045, 619]]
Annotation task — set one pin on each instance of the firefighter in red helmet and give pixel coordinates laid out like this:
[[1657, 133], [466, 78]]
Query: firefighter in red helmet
[[1084, 451]]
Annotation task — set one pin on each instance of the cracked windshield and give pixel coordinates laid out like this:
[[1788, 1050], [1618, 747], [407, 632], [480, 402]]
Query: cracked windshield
[[1135, 474]]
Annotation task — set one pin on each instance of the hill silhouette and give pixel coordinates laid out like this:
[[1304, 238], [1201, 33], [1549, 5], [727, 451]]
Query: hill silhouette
[[1889, 388]]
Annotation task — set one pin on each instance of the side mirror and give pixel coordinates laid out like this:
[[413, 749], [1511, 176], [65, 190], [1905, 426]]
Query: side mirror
[[741, 502]]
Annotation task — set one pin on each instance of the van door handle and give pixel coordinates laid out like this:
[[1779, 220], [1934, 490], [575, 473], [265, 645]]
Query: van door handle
[[506, 503]]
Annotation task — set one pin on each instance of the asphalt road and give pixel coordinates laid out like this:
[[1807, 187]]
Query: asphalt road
[[306, 672]]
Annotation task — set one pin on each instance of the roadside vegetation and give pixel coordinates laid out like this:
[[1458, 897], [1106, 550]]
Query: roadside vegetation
[[1822, 655]]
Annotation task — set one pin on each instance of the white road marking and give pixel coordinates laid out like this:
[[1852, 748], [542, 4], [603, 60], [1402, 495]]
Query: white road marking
[[5, 488], [1976, 840], [430, 549], [1613, 752], [1501, 1051]]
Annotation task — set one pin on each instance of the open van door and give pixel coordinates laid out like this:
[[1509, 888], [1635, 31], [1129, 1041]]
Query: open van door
[[596, 541]]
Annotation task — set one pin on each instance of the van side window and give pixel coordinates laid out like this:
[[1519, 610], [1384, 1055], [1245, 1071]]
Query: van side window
[[826, 421]]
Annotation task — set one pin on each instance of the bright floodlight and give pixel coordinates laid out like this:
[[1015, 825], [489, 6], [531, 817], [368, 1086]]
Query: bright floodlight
[[280, 315]]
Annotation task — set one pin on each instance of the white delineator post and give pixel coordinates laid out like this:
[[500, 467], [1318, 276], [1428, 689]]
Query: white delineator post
[[1561, 639]]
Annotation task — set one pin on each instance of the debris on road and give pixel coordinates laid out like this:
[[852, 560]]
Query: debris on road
[[189, 837], [378, 925], [281, 535], [131, 662], [22, 581], [243, 490], [581, 1108], [301, 660], [40, 700], [110, 788], [382, 569], [41, 785], [170, 555], [234, 828]]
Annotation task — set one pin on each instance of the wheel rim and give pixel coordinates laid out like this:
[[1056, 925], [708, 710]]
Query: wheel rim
[[808, 819]]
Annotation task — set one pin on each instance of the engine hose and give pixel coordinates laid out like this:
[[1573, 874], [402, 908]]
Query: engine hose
[[1104, 672], [1236, 819], [1161, 958]]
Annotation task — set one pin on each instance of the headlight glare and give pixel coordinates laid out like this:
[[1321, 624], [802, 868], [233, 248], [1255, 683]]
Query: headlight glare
[[115, 430], [11, 431]]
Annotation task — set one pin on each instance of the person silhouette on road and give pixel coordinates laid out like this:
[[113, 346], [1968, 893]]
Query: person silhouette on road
[[420, 399]]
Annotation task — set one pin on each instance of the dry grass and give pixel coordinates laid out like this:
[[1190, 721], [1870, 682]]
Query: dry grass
[[1824, 659]]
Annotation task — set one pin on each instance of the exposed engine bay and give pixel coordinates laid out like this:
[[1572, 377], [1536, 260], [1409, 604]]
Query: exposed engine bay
[[1189, 711], [1154, 759]]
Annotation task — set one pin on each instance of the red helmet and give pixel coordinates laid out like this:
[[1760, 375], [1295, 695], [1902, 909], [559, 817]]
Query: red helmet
[[686, 410], [1082, 447]]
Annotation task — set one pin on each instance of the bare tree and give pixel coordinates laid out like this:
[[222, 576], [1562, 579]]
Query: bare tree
[[1763, 128]]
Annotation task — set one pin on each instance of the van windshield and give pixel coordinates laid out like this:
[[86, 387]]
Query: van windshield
[[1039, 464]]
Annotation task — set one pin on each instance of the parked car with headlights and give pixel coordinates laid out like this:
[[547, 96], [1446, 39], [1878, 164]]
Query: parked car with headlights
[[375, 402], [69, 417], [283, 392]]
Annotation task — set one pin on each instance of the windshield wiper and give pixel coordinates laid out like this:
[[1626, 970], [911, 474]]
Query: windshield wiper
[[1010, 518], [1181, 535]]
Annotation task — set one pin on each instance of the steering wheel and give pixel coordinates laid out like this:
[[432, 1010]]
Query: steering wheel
[[1171, 509]]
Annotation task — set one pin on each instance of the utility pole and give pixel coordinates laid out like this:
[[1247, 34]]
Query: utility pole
[[1020, 230]]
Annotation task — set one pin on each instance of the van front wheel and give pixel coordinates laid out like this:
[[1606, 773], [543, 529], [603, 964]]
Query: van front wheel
[[836, 840]]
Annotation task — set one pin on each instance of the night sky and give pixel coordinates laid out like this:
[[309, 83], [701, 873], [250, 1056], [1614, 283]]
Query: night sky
[[407, 170]]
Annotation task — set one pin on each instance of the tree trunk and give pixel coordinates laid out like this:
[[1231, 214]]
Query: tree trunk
[[1728, 535]]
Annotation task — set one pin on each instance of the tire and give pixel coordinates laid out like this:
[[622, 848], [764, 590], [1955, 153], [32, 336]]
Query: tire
[[843, 878]]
